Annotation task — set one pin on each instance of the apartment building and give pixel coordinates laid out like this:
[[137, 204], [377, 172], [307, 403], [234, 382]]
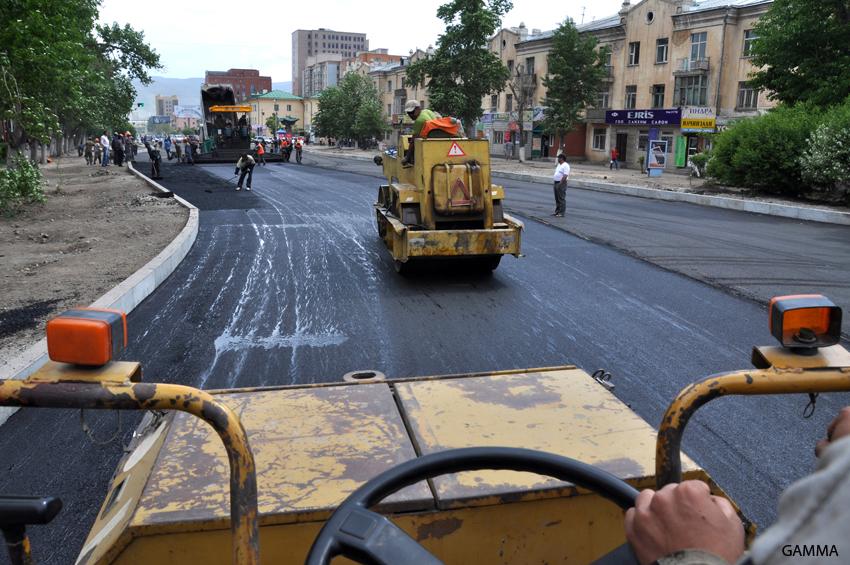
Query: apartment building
[[314, 42], [395, 90], [678, 69], [165, 104], [321, 72]]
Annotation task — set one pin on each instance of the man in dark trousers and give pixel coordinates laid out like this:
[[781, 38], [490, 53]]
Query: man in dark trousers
[[156, 160], [244, 166], [562, 174]]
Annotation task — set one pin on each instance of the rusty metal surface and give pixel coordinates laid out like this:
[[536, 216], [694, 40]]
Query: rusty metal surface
[[102, 395], [563, 412], [780, 357], [759, 382], [313, 447], [116, 372]]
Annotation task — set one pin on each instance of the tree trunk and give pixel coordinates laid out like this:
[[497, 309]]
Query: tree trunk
[[33, 149], [42, 154]]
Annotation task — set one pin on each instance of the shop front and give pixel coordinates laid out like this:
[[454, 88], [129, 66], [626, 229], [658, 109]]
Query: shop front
[[630, 131]]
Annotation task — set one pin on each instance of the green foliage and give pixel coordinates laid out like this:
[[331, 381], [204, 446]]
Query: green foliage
[[826, 162], [576, 71], [804, 47], [352, 110], [62, 74], [763, 152], [462, 70], [20, 184], [272, 124]]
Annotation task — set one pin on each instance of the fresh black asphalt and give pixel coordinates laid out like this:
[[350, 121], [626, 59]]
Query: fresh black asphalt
[[290, 284]]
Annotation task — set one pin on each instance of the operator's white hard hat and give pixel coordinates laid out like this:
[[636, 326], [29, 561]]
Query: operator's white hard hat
[[411, 106]]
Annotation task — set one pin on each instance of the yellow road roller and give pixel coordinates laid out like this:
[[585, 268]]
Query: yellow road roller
[[443, 205], [506, 467]]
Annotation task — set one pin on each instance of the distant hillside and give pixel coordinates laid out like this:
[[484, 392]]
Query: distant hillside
[[188, 91]]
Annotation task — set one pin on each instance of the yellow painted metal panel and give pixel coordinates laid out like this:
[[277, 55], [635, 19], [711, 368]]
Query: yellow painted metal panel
[[312, 447], [563, 412], [450, 243]]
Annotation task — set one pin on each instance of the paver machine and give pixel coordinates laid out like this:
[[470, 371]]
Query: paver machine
[[443, 205], [525, 466]]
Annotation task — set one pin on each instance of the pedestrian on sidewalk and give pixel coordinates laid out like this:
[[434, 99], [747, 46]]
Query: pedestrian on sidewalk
[[244, 166], [89, 150], [615, 156], [562, 173], [117, 149], [104, 144]]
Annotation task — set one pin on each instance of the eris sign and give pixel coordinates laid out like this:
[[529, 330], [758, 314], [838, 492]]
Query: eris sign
[[653, 117]]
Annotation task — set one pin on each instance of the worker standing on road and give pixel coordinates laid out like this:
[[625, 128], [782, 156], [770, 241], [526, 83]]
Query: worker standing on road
[[261, 153], [244, 166], [562, 173], [298, 149]]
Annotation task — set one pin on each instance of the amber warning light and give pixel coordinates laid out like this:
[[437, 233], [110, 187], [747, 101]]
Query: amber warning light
[[87, 336], [805, 322]]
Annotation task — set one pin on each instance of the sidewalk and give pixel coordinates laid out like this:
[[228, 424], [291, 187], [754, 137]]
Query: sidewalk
[[675, 187]]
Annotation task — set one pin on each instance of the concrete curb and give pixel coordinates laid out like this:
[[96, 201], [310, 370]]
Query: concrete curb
[[125, 296], [741, 205]]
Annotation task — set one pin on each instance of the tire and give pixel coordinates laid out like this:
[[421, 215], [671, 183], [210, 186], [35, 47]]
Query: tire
[[490, 263]]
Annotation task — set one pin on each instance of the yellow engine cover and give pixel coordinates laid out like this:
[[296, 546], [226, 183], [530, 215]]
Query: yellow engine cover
[[457, 189]]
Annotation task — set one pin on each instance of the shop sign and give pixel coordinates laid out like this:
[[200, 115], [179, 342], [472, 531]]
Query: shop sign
[[652, 117], [698, 119]]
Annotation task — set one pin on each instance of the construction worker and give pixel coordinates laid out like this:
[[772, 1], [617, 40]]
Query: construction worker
[[424, 123], [261, 153], [298, 149], [244, 166]]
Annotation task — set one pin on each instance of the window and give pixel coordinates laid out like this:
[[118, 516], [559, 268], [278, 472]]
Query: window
[[498, 137], [634, 53], [603, 100], [509, 103], [529, 65], [657, 95], [276, 108], [631, 96], [511, 66], [289, 107], [698, 44], [643, 140], [389, 86], [389, 109], [661, 48], [691, 91], [749, 39], [748, 97], [600, 136], [494, 103]]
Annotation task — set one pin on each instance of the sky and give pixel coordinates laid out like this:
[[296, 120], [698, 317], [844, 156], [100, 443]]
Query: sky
[[192, 36]]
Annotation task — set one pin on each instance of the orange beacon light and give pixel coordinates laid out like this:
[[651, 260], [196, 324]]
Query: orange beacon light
[[805, 322], [87, 336]]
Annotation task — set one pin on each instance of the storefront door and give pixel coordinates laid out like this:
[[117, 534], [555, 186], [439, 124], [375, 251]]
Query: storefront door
[[622, 145]]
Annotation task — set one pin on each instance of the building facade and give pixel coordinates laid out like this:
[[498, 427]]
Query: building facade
[[321, 72], [165, 105], [286, 109], [394, 90], [245, 82], [678, 70], [314, 42]]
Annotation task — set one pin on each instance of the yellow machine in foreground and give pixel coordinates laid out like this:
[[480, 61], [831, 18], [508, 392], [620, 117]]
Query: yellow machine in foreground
[[444, 206], [299, 469]]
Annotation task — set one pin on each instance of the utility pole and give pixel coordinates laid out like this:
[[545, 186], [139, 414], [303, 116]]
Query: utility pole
[[582, 14]]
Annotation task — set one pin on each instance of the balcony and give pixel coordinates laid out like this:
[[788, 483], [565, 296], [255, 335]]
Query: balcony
[[608, 76], [528, 82], [692, 67]]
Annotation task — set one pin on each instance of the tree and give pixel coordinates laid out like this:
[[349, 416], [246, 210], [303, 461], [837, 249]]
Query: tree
[[61, 75], [804, 49], [272, 124], [462, 70], [351, 111], [522, 85], [576, 71]]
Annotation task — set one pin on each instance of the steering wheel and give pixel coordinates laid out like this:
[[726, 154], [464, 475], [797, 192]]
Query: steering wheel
[[356, 532]]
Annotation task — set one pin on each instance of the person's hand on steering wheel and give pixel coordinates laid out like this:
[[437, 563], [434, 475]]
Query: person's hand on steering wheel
[[683, 516]]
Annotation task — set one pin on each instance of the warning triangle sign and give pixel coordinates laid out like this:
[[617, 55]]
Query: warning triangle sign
[[456, 151]]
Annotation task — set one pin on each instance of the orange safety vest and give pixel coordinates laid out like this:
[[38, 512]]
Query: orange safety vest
[[449, 125], [260, 150]]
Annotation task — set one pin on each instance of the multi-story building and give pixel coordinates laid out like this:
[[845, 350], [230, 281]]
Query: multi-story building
[[165, 105], [284, 107], [314, 42], [677, 69], [245, 82], [367, 59], [321, 72], [395, 90]]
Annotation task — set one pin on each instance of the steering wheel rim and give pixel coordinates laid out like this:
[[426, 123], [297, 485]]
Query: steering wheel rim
[[360, 534]]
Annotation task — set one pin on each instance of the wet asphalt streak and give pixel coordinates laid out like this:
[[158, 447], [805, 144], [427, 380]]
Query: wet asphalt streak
[[289, 284]]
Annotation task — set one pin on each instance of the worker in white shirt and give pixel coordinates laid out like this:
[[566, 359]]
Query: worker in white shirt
[[562, 173]]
